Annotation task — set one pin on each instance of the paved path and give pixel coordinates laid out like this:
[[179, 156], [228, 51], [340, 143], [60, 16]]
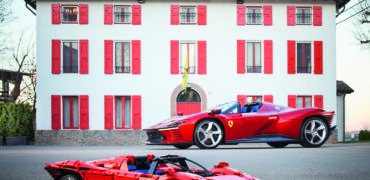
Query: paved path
[[340, 161]]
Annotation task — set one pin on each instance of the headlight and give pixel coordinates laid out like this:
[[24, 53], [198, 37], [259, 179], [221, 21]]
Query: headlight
[[174, 125]]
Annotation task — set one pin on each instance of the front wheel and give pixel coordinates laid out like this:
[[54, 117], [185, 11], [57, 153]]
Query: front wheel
[[70, 177], [314, 132], [182, 146], [208, 134], [277, 144]]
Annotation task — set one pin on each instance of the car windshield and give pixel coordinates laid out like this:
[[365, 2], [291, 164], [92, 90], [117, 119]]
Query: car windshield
[[228, 108]]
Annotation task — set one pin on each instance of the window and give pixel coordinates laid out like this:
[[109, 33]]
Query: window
[[122, 14], [70, 112], [254, 57], [122, 56], [254, 15], [69, 14], [254, 99], [188, 53], [188, 15], [304, 101], [303, 15], [303, 57], [70, 56], [123, 112]]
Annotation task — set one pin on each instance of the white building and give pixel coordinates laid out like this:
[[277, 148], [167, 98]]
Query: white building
[[106, 69]]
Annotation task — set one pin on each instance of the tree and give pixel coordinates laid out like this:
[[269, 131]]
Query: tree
[[24, 62], [360, 12], [6, 16]]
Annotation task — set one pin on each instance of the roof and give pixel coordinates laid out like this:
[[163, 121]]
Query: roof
[[343, 88], [339, 3], [10, 75]]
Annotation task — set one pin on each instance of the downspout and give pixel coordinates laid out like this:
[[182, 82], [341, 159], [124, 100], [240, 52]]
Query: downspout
[[344, 117]]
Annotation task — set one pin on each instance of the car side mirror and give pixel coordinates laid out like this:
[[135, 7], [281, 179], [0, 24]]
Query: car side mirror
[[215, 111], [180, 113]]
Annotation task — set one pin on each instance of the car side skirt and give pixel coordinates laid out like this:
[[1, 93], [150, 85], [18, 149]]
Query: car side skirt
[[265, 138]]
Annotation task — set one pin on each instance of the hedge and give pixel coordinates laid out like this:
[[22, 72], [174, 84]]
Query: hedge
[[16, 120], [364, 135]]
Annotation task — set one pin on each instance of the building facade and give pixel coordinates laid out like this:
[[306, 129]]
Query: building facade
[[107, 69]]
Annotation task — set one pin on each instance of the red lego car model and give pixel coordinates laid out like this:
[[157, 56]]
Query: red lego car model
[[147, 167], [230, 123]]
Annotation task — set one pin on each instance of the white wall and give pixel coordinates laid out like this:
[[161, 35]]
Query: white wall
[[340, 117], [155, 84]]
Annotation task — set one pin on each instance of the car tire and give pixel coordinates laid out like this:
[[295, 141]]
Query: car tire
[[277, 144], [182, 146], [70, 177], [314, 132], [208, 134]]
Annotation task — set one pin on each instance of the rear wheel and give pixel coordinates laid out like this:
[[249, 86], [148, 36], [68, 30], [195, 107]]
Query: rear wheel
[[314, 132], [208, 134], [182, 146], [277, 144], [70, 177]]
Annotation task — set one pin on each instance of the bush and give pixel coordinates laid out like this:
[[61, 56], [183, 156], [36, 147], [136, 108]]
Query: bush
[[16, 120], [364, 135]]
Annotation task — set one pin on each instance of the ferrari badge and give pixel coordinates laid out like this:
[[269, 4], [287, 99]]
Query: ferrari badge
[[231, 123]]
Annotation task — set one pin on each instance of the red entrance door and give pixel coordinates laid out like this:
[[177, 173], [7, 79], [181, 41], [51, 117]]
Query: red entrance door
[[188, 102]]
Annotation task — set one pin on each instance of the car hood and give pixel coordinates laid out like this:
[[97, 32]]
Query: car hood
[[173, 120]]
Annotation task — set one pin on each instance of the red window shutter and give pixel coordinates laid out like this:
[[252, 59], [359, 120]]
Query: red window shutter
[[55, 56], [136, 112], [240, 14], [242, 99], [84, 112], [174, 57], [202, 57], [175, 9], [241, 56], [108, 56], [84, 56], [55, 13], [319, 101], [202, 15], [268, 56], [292, 101], [318, 57], [108, 112], [291, 15], [55, 112], [136, 14], [108, 14], [267, 15], [291, 57], [317, 15], [136, 56], [83, 13], [268, 98]]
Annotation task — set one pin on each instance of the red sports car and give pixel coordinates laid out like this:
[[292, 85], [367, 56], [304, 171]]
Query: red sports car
[[230, 123], [147, 167]]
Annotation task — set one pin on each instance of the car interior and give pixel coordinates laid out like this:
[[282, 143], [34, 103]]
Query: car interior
[[251, 107]]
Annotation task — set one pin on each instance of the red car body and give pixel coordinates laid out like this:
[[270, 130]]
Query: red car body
[[270, 123], [147, 167]]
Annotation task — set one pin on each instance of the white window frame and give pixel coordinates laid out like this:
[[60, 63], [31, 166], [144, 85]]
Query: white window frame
[[195, 17], [195, 56], [78, 56], [114, 14], [115, 56], [246, 15], [311, 60], [261, 55], [62, 14]]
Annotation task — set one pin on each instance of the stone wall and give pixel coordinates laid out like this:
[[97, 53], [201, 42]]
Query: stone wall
[[90, 137]]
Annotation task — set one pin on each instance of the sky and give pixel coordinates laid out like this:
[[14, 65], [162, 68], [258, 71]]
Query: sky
[[353, 63]]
